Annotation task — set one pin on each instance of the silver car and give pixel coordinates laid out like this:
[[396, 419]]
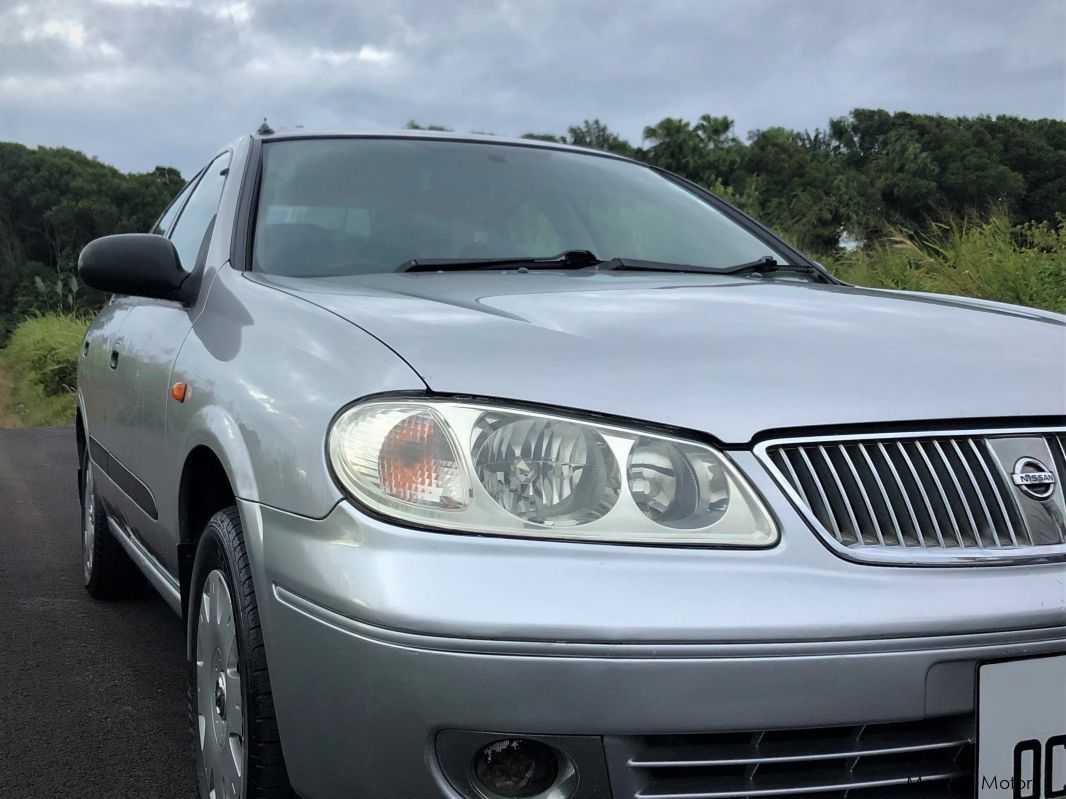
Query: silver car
[[483, 469]]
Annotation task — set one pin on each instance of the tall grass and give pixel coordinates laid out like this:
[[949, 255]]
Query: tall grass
[[41, 362], [986, 258]]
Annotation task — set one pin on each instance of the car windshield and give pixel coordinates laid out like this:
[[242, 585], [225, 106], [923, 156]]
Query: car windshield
[[364, 205]]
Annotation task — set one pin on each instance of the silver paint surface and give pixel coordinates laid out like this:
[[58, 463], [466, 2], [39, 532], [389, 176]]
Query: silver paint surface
[[728, 357]]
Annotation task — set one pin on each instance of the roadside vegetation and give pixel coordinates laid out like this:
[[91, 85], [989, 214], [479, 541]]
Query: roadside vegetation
[[987, 258], [968, 206], [39, 369]]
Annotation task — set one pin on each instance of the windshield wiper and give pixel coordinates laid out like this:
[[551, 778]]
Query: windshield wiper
[[768, 263], [583, 259], [765, 264], [571, 259], [760, 266]]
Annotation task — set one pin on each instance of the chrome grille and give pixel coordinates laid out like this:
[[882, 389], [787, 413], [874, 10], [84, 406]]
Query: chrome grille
[[938, 492], [909, 760], [1057, 444]]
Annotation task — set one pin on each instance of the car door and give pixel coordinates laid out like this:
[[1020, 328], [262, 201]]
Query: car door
[[142, 357], [97, 382]]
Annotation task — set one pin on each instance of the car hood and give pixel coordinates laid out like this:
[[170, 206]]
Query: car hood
[[729, 356]]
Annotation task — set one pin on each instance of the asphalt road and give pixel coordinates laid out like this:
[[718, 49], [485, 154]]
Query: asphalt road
[[92, 694]]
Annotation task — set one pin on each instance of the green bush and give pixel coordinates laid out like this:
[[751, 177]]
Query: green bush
[[44, 350], [990, 259], [38, 371]]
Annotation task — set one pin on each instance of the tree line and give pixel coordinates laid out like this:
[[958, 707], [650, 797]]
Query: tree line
[[53, 201], [864, 175], [858, 180]]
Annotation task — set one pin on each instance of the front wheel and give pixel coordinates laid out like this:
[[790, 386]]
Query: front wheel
[[231, 708]]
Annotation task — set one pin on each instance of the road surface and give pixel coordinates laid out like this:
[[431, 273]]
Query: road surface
[[92, 694]]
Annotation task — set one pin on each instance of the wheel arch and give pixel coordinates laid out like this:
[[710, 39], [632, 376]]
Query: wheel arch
[[81, 437], [79, 430], [215, 471], [204, 489]]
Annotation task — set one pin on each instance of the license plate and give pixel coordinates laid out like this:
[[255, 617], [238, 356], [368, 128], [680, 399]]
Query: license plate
[[1021, 729]]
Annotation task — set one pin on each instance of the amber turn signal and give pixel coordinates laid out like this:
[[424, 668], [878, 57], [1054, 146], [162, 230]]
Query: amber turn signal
[[179, 391]]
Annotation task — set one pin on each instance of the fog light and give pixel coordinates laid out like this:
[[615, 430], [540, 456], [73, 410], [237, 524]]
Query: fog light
[[515, 768]]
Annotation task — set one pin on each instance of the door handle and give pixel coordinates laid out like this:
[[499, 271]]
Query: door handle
[[114, 359]]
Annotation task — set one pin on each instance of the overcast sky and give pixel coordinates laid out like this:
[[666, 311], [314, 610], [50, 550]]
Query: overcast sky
[[144, 82]]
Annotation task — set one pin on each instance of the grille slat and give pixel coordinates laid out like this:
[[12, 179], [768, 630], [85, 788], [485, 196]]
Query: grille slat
[[982, 455], [948, 509], [822, 495], [794, 479], [858, 762], [842, 496], [738, 754], [1057, 445], [990, 524], [907, 504], [925, 497], [896, 526], [947, 493], [871, 515], [843, 786], [951, 472]]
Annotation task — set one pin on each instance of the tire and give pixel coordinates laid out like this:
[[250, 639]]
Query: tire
[[231, 709], [107, 569]]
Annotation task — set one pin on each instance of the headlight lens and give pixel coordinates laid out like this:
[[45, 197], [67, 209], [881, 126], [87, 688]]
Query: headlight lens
[[678, 485], [481, 469], [546, 471]]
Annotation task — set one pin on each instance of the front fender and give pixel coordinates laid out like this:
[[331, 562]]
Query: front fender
[[266, 373], [214, 428]]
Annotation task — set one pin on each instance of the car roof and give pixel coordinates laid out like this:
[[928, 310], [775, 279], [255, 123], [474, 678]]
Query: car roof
[[478, 138]]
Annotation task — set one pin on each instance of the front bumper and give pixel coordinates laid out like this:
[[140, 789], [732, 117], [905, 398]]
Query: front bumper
[[379, 638]]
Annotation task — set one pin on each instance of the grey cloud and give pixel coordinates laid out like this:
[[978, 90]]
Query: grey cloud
[[140, 82]]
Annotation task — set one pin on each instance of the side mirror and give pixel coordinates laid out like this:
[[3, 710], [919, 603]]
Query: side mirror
[[139, 265]]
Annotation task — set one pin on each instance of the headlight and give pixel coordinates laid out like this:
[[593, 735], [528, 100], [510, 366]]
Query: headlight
[[483, 469]]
